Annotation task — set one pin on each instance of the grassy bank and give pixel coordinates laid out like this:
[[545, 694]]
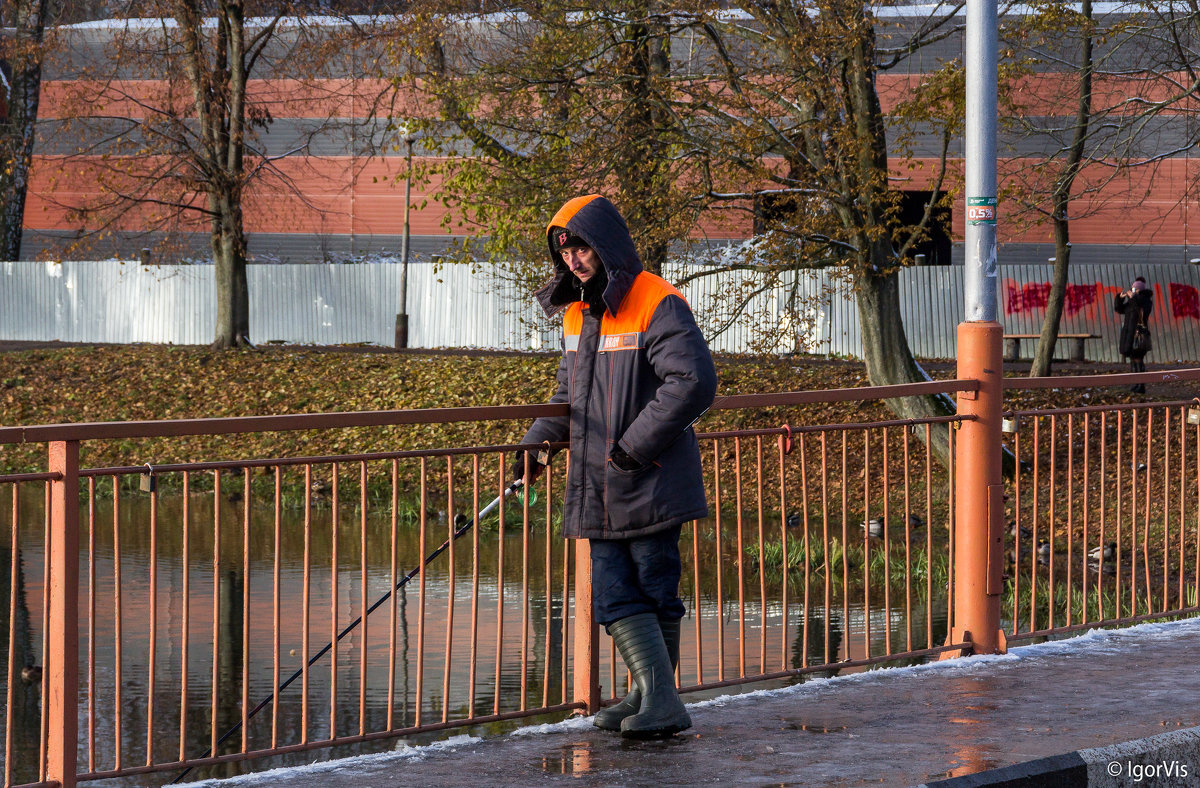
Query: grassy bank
[[122, 383], [119, 383]]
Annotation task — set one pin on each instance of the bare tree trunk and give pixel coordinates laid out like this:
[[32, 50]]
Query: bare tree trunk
[[219, 87], [17, 129], [229, 260], [888, 358], [1047, 340], [643, 174]]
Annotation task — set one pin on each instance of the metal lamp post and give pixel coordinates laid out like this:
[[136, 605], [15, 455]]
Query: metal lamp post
[[979, 486], [409, 138]]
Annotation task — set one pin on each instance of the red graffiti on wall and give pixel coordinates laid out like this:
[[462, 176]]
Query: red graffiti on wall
[[1185, 301], [1033, 296]]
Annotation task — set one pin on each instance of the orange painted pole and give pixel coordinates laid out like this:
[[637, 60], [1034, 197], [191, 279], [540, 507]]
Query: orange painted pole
[[61, 675], [587, 633], [979, 492]]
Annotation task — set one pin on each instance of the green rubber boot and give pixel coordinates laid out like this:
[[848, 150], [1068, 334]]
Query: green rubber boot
[[661, 713], [610, 718]]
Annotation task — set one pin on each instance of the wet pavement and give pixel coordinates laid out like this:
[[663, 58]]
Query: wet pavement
[[901, 726]]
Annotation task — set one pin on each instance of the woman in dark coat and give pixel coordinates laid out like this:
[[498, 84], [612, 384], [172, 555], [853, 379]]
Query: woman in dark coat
[[1135, 304]]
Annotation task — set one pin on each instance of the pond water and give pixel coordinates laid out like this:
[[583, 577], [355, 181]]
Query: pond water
[[505, 603]]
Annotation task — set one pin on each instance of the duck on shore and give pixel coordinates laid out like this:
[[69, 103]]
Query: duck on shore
[[1106, 552]]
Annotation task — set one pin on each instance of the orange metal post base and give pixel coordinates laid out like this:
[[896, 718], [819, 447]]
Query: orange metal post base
[[979, 492]]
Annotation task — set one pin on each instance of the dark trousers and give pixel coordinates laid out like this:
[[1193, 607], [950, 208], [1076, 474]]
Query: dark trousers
[[1137, 364], [639, 575]]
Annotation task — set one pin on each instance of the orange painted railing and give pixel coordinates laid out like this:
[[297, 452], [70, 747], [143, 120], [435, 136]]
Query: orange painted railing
[[182, 599]]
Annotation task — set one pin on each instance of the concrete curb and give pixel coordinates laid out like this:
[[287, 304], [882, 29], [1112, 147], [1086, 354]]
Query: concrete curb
[[1167, 759]]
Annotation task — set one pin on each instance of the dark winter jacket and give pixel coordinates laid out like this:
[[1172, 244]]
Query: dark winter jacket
[[1135, 308], [636, 374]]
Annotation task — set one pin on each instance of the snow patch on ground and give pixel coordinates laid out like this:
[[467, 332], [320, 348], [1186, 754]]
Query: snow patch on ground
[[403, 752]]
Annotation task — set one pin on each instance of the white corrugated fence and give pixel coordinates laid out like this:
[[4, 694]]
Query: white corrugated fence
[[452, 307]]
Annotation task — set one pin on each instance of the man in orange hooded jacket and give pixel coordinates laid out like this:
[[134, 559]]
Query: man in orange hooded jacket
[[636, 373]]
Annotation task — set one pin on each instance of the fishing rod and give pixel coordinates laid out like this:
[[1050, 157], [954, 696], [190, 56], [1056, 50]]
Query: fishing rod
[[484, 512]]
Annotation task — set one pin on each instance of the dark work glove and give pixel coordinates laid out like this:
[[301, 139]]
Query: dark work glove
[[622, 460], [518, 465]]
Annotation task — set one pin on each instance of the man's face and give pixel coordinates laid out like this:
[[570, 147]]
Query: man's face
[[581, 261]]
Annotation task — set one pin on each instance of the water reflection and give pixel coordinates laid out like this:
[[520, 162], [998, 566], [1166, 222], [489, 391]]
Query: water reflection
[[459, 654], [574, 758], [24, 672]]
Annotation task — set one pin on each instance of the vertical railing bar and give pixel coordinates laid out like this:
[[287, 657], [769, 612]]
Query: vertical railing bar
[[1053, 509], [567, 620], [472, 664], [499, 595], [306, 602], [1146, 509], [1167, 500], [1035, 543], [91, 631], [1179, 598], [43, 702], [1196, 570], [335, 529], [421, 592], [549, 570], [214, 708], [929, 537], [1016, 532], [887, 544], [697, 601], [908, 611], [845, 490], [277, 600], [804, 632], [826, 568], [524, 599], [741, 549], [783, 535], [1119, 514], [448, 660], [245, 609], [363, 597], [14, 567], [1084, 509], [393, 608], [186, 599], [1133, 516], [762, 575], [720, 562], [950, 522], [151, 683], [612, 670], [1166, 477], [1070, 515], [1103, 527], [117, 628], [866, 542]]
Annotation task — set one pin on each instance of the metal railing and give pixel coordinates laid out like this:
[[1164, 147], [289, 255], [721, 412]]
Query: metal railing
[[180, 613], [1103, 523]]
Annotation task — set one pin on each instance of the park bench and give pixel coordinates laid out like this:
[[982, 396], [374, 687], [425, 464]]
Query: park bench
[[1074, 345]]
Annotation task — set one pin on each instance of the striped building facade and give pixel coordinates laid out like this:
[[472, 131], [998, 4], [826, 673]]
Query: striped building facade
[[343, 198]]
